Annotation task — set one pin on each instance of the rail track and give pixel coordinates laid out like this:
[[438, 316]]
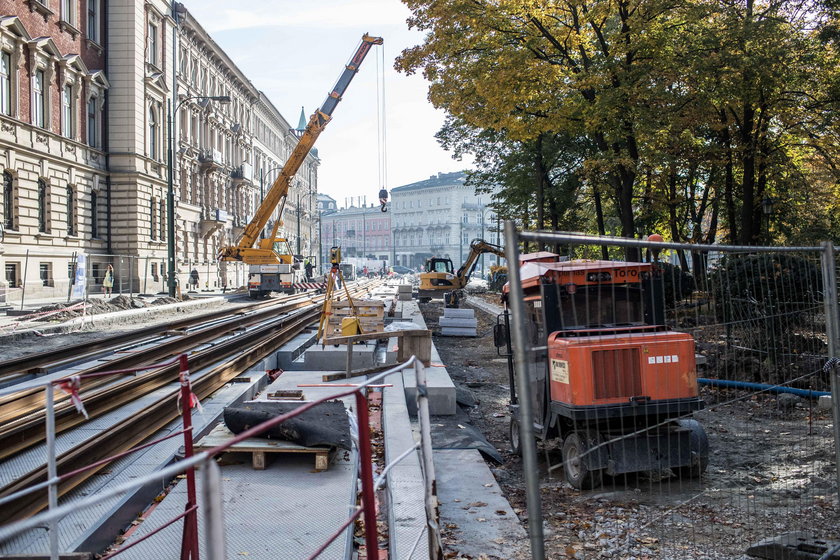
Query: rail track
[[217, 354]]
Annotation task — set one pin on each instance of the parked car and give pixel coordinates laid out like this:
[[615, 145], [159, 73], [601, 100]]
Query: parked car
[[397, 269]]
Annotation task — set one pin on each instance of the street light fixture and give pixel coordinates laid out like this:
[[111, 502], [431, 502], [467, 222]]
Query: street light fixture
[[170, 194]]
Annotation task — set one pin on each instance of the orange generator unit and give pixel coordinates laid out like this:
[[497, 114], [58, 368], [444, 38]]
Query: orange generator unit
[[607, 376]]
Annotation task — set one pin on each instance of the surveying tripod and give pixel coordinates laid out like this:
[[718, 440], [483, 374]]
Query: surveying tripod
[[334, 276]]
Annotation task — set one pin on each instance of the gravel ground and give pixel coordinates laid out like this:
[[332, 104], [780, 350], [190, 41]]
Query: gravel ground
[[771, 472]]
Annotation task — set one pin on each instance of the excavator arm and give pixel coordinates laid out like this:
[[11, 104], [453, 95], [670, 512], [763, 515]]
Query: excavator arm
[[245, 250], [477, 248]]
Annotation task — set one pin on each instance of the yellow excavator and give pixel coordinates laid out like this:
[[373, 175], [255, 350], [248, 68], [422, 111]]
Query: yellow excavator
[[440, 277], [272, 267]]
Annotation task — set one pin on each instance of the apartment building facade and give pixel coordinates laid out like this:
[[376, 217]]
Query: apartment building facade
[[439, 217], [84, 147], [363, 232], [54, 169]]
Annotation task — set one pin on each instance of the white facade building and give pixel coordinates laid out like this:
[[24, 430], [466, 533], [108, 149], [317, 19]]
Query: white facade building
[[439, 217]]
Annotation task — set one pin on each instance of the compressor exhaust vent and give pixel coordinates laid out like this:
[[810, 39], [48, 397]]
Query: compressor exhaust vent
[[617, 373]]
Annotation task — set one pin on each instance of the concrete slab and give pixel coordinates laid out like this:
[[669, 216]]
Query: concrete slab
[[406, 507], [335, 358], [456, 331], [294, 349], [441, 389], [470, 500], [458, 322], [464, 313]]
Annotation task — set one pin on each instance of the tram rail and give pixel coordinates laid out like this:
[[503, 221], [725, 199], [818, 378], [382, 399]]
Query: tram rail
[[213, 366]]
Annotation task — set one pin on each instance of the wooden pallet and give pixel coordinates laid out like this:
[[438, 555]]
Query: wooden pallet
[[259, 447], [370, 312]]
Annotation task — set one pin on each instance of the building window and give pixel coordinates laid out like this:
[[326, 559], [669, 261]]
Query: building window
[[6, 83], [67, 11], [151, 55], [152, 221], [42, 206], [155, 276], [45, 271], [67, 111], [38, 109], [162, 218], [93, 20], [8, 201], [94, 215], [71, 211], [12, 275], [96, 273], [92, 123], [71, 271], [153, 133]]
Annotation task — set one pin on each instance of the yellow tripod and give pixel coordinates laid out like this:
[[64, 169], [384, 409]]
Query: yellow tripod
[[334, 277]]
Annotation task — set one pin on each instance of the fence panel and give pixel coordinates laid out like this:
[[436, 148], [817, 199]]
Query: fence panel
[[682, 469]]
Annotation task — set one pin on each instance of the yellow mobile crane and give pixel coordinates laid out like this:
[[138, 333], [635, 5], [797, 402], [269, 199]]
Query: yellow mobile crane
[[272, 266], [440, 276]]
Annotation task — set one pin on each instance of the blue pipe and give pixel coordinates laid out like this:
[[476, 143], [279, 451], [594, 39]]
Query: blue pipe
[[806, 393]]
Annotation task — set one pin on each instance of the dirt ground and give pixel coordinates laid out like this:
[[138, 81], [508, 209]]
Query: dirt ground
[[771, 471]]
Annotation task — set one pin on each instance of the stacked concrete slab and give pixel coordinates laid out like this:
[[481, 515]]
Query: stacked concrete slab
[[404, 292], [458, 322]]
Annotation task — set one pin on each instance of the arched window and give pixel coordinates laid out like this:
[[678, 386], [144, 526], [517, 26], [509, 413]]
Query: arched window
[[153, 133], [8, 201], [71, 211], [94, 216], [42, 205]]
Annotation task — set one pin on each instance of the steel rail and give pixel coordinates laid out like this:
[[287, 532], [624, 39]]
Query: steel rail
[[23, 430], [35, 364], [23, 408], [133, 430]]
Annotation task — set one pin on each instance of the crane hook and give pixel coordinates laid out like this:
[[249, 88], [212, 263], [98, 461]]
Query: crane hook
[[383, 200]]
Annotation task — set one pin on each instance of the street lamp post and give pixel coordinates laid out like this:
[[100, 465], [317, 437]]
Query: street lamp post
[[170, 192]]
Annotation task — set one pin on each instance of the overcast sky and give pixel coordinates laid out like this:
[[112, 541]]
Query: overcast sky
[[294, 51]]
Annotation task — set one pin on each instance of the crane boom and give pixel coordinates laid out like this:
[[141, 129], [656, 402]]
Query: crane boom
[[244, 250]]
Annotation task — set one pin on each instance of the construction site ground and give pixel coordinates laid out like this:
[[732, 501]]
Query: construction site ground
[[644, 516], [648, 515]]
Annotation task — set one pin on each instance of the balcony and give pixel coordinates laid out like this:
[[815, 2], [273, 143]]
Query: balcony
[[242, 174], [213, 221], [210, 159]]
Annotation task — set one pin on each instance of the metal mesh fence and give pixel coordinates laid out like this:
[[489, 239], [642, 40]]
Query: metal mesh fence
[[679, 398]]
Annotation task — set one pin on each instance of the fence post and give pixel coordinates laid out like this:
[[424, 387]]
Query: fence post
[[23, 283], [146, 275], [52, 471], [130, 277], [211, 499], [72, 278], [435, 549], [189, 541], [523, 389], [832, 330], [368, 496]]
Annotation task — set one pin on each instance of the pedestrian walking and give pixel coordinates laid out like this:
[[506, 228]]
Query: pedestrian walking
[[194, 279], [108, 281], [308, 267]]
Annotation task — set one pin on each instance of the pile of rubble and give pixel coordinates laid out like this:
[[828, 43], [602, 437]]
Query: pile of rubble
[[59, 312]]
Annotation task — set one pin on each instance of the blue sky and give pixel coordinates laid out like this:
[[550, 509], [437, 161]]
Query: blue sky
[[294, 51]]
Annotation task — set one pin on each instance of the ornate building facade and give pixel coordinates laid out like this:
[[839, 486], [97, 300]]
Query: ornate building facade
[[84, 157], [55, 183], [439, 217]]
